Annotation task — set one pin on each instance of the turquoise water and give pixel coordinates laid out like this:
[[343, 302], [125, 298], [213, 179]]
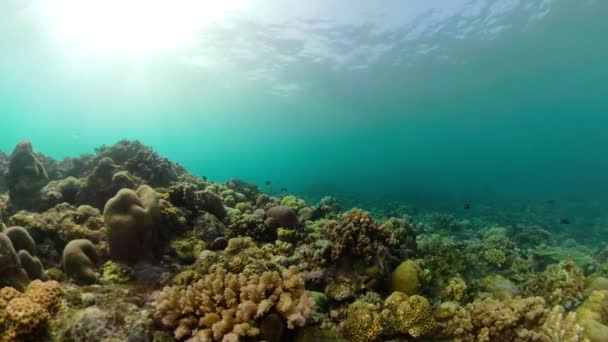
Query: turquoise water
[[434, 103]]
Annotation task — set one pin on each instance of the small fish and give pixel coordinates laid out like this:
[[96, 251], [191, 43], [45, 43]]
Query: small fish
[[284, 189], [551, 202], [267, 183], [564, 221], [467, 206]]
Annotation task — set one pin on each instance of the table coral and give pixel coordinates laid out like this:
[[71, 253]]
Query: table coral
[[224, 306]]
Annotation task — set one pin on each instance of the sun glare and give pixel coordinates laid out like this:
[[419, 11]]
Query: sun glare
[[134, 27]]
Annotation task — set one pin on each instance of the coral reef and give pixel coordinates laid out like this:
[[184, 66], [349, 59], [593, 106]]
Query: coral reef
[[180, 257]]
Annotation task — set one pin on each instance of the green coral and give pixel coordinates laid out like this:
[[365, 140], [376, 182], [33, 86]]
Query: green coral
[[115, 273], [363, 323]]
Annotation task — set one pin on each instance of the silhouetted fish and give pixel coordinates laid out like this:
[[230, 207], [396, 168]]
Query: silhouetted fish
[[267, 183], [467, 206], [551, 202], [564, 221], [284, 189]]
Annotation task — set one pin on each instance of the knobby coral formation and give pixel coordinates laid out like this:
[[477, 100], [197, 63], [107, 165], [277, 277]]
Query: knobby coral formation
[[25, 177], [79, 261], [131, 221]]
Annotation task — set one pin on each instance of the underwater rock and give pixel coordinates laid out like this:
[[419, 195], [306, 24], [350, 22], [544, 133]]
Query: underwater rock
[[25, 247], [79, 261], [209, 228], [281, 216], [405, 278], [31, 265], [105, 180], [21, 239], [131, 220], [212, 203], [25, 177], [11, 272], [142, 162], [65, 190]]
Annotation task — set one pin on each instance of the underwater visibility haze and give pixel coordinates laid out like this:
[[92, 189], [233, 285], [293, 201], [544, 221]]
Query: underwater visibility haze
[[303, 171]]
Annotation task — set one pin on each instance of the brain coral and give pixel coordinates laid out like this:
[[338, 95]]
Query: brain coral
[[131, 220], [356, 233], [224, 306]]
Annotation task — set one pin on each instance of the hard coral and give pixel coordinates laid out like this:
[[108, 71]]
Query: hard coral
[[226, 306], [131, 220], [79, 261], [363, 323], [356, 233], [22, 314], [407, 315], [561, 284], [491, 319]]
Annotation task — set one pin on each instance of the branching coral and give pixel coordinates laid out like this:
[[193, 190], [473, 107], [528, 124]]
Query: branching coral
[[356, 233], [226, 306], [561, 284], [491, 319]]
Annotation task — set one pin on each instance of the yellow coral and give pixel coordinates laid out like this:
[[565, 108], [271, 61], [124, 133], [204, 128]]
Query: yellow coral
[[45, 293], [24, 315], [495, 256], [407, 315], [593, 317], [455, 290], [363, 323]]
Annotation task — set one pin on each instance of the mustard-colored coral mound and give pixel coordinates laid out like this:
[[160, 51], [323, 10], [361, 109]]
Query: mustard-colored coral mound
[[363, 323], [25, 315], [22, 314], [592, 315], [224, 306], [407, 315], [45, 293]]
